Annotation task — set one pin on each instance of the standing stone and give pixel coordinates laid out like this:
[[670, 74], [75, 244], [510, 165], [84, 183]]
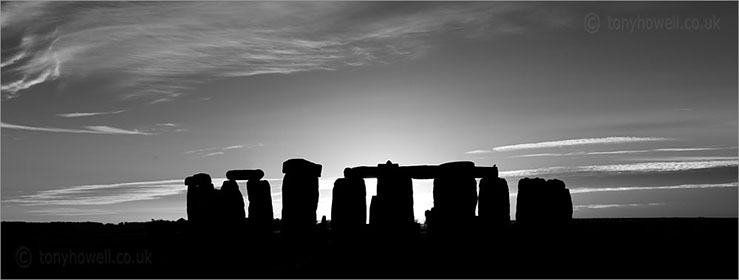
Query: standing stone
[[300, 194], [528, 200], [348, 205], [561, 207], [232, 202], [455, 197], [395, 199], [249, 174], [194, 207], [494, 202], [206, 197], [260, 204], [375, 211], [542, 202]]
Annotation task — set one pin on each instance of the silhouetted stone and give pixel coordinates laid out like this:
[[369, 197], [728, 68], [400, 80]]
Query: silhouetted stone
[[194, 209], [348, 205], [300, 194], [543, 202], [494, 202], [562, 206], [202, 199], [455, 196], [301, 166], [394, 198], [429, 216], [374, 211], [233, 202], [253, 174], [260, 204]]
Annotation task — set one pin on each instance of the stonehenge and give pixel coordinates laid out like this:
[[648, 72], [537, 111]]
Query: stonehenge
[[395, 198], [457, 201], [543, 202], [193, 204], [207, 205], [232, 202], [252, 174], [348, 206], [493, 202], [259, 194], [299, 194], [201, 199], [455, 196]]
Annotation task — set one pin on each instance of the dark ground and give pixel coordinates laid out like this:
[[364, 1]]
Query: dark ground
[[587, 248]]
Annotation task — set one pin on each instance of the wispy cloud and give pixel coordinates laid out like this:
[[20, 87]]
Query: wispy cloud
[[619, 152], [167, 127], [477, 152], [622, 152], [551, 155], [578, 142], [688, 158], [214, 151], [684, 186], [643, 167], [107, 194], [66, 212], [575, 191], [155, 47], [77, 115], [88, 129], [212, 154], [102, 194], [602, 206], [693, 149]]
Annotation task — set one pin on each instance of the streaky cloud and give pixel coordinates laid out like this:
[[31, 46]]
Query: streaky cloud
[[602, 206], [232, 147], [550, 155], [643, 167], [107, 194], [212, 154], [688, 158], [101, 194], [78, 115], [622, 152], [13, 59], [691, 149], [154, 48], [578, 142], [89, 130], [477, 152], [684, 186], [71, 212], [575, 191], [619, 152]]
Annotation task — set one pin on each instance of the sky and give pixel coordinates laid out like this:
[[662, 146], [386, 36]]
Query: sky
[[107, 106]]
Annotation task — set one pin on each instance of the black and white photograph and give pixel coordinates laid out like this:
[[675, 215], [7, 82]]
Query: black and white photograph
[[369, 139]]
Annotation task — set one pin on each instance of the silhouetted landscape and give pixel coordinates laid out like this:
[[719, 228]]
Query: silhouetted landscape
[[369, 139], [220, 241], [587, 248]]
